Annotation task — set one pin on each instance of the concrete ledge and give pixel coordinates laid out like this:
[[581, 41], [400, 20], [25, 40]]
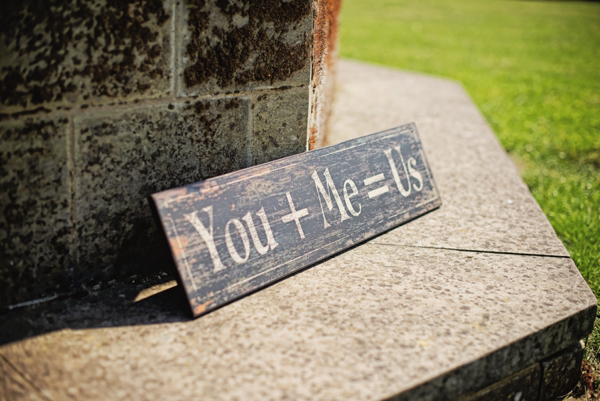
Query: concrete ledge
[[523, 385], [440, 308], [561, 372]]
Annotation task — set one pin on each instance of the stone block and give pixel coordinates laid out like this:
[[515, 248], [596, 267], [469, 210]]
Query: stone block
[[35, 209], [373, 322], [561, 373], [60, 52], [279, 122], [123, 157], [521, 386], [243, 45]]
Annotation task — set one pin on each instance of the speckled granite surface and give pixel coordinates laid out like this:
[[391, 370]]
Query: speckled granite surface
[[436, 309], [486, 206]]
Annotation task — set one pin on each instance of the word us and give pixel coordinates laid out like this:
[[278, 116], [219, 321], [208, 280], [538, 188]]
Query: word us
[[236, 233]]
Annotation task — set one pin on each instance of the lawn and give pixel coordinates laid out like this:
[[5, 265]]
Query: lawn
[[533, 69]]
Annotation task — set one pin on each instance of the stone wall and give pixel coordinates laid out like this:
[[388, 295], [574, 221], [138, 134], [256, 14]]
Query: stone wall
[[104, 102]]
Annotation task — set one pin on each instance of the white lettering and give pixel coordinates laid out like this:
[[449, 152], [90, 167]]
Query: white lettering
[[388, 153], [229, 242], [352, 185], [327, 197], [412, 164], [379, 191], [207, 235], [271, 244], [295, 215]]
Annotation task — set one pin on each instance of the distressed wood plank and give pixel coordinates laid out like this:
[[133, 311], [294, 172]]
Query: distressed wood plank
[[239, 232]]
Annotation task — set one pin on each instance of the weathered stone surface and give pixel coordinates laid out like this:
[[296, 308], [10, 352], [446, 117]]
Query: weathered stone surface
[[64, 51], [13, 387], [368, 324], [35, 209], [105, 59], [236, 46], [121, 158], [374, 322], [561, 373], [521, 386], [279, 124], [485, 204]]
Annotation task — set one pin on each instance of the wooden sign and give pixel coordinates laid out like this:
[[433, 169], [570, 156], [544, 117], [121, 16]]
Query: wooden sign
[[238, 232]]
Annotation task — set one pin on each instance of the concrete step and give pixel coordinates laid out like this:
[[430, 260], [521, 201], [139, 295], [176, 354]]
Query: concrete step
[[478, 299]]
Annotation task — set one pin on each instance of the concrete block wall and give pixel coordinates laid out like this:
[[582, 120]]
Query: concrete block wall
[[104, 102]]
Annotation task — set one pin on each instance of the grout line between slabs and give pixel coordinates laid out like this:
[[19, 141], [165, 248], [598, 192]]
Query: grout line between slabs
[[71, 148], [175, 54], [132, 104], [476, 251]]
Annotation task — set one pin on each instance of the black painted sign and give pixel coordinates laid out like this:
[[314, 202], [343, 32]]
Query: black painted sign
[[238, 232]]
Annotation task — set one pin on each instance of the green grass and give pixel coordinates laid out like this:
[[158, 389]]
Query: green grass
[[533, 69]]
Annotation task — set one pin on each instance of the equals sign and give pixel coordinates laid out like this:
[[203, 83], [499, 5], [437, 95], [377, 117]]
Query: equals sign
[[379, 191]]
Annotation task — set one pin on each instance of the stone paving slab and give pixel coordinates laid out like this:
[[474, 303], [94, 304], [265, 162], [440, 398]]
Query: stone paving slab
[[13, 386], [393, 317], [368, 324], [485, 204]]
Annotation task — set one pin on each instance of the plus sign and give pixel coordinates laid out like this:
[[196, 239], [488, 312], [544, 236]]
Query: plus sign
[[295, 215]]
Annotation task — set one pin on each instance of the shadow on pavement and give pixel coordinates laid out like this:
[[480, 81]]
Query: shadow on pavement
[[135, 302]]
